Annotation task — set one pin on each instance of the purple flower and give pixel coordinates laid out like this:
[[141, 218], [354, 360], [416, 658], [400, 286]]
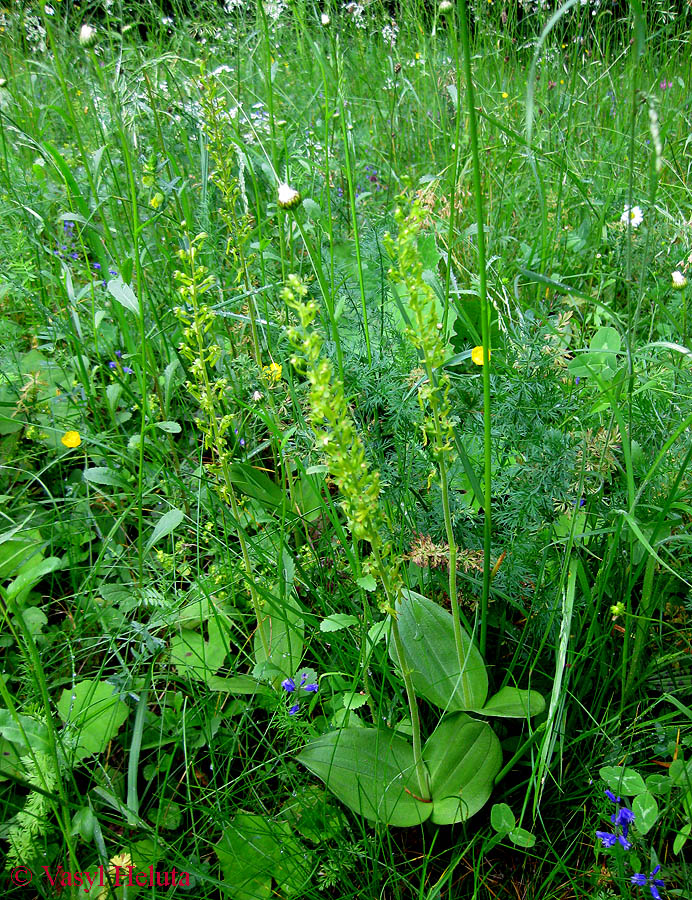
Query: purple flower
[[294, 709], [288, 685], [112, 364], [623, 817], [119, 354], [112, 272], [608, 840], [97, 266], [654, 883], [312, 688], [611, 796], [127, 370], [576, 380]]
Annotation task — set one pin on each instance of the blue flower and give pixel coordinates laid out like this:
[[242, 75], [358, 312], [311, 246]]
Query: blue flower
[[288, 685], [294, 709], [112, 364], [128, 371], [653, 882], [623, 817], [312, 688], [608, 840]]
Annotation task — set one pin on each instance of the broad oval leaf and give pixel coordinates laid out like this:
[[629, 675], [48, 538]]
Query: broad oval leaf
[[30, 735], [522, 838], [104, 475], [371, 771], [622, 781], [124, 294], [502, 818], [284, 631], [95, 713], [337, 621], [645, 810], [513, 703], [427, 633], [167, 524], [463, 757]]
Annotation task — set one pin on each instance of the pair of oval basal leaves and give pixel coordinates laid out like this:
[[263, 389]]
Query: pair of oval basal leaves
[[372, 770]]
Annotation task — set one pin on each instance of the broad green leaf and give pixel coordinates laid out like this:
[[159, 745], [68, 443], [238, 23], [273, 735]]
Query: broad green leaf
[[11, 759], [83, 823], [337, 621], [427, 633], [253, 851], [378, 631], [521, 837], [17, 554], [681, 838], [94, 712], [124, 294], [354, 700], [367, 582], [247, 852], [658, 784], [622, 781], [31, 576], [645, 809], [28, 734], [104, 475], [371, 771], [312, 813], [463, 756], [193, 656], [254, 483], [169, 427], [238, 684], [284, 629], [513, 703], [502, 818], [168, 522]]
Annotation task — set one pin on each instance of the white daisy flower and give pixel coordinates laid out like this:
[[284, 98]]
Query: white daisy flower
[[289, 197], [324, 19], [633, 215], [679, 280]]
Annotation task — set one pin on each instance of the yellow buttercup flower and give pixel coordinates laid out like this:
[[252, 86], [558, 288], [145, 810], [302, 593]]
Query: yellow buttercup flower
[[71, 439], [477, 355], [505, 95]]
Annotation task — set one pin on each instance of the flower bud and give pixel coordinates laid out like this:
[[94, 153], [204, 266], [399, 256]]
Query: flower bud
[[289, 198], [87, 36], [679, 280]]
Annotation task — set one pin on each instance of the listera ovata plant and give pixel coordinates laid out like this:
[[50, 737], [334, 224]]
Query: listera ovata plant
[[380, 773]]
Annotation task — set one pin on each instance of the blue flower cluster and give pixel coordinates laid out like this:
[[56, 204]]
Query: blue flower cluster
[[653, 882], [289, 685], [622, 818]]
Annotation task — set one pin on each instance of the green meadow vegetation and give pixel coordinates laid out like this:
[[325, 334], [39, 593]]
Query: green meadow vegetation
[[346, 449]]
